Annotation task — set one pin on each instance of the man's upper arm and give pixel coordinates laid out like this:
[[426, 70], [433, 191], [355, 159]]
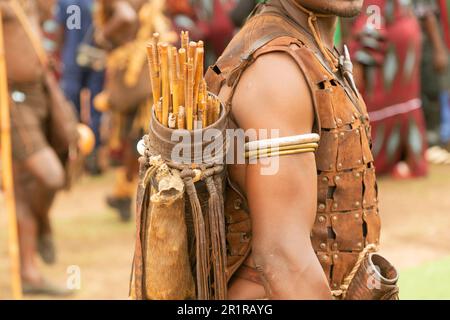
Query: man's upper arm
[[273, 94]]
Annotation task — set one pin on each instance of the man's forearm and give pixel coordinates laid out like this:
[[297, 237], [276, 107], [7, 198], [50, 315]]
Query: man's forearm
[[293, 275], [431, 27]]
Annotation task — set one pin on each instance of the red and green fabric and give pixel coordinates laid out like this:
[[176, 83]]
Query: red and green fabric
[[392, 88], [205, 20]]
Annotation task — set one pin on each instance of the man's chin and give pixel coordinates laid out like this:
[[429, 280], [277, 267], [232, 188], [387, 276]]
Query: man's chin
[[349, 14]]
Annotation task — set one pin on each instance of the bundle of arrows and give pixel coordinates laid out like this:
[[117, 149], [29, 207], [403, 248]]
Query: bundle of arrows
[[181, 99]]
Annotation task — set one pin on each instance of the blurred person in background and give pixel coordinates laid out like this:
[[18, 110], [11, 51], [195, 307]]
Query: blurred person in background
[[436, 77], [206, 20], [124, 27], [42, 147], [444, 10], [387, 67], [82, 66], [242, 10]]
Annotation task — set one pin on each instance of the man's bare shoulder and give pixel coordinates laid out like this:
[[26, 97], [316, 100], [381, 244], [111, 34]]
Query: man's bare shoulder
[[273, 93]]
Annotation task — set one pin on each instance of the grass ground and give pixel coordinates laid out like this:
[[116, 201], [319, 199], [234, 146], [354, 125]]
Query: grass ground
[[427, 281], [416, 220]]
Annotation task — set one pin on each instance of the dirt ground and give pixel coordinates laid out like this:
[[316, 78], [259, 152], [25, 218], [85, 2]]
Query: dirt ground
[[416, 220]]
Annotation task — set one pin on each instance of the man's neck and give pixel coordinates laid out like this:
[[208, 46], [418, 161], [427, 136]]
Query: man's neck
[[326, 25]]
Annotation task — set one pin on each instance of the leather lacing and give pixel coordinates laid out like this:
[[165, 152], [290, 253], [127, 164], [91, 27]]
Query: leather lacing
[[312, 24]]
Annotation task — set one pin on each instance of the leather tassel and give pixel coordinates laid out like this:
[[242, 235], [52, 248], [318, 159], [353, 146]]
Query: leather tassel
[[217, 236], [200, 239]]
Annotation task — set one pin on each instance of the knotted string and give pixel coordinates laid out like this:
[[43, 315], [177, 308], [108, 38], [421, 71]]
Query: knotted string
[[313, 26], [342, 291]]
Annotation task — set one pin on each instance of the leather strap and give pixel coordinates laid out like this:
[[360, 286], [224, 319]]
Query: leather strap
[[246, 60]]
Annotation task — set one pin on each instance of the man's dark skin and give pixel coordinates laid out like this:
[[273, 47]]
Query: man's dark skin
[[440, 55], [42, 173], [121, 25], [284, 254], [241, 12]]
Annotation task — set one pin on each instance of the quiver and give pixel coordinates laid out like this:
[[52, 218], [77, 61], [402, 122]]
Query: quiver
[[181, 241]]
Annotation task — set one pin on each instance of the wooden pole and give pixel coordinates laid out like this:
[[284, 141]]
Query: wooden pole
[[8, 184], [165, 82], [182, 76], [174, 81], [154, 75], [190, 95], [198, 74]]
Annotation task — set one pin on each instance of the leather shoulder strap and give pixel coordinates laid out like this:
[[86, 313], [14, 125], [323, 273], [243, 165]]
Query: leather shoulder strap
[[247, 58], [221, 72], [263, 34], [260, 31], [303, 57]]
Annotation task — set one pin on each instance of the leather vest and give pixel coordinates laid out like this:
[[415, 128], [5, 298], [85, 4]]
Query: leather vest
[[347, 211]]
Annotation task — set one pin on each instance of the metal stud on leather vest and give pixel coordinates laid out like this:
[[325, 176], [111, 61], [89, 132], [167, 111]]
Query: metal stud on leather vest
[[347, 215]]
